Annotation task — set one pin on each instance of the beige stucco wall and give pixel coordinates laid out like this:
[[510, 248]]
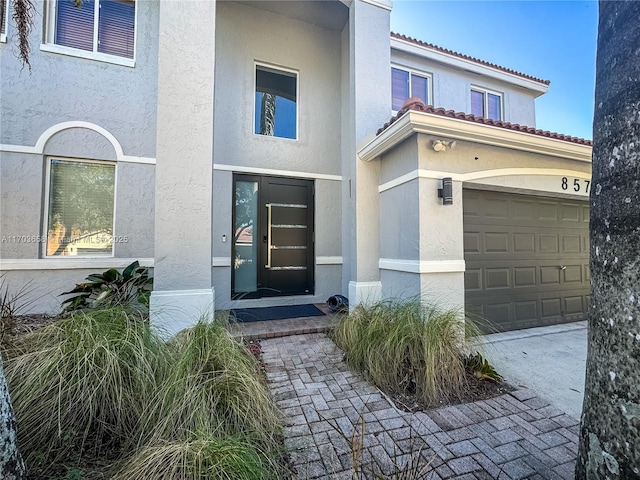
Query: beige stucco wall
[[422, 240], [452, 88]]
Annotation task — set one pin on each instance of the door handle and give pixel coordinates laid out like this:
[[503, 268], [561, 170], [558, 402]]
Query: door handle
[[268, 265], [562, 267]]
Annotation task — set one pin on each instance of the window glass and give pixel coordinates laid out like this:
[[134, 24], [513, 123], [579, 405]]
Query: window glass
[[419, 87], [74, 25], [80, 216], [477, 103], [399, 88], [493, 106], [115, 32], [275, 103], [116, 24]]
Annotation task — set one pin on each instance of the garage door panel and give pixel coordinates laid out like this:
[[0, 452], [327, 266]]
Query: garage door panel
[[472, 242], [571, 243], [524, 277], [524, 242], [496, 242], [497, 278], [514, 264], [473, 279], [572, 274]]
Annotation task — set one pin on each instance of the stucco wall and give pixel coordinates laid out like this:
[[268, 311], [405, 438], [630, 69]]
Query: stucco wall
[[452, 88], [246, 35]]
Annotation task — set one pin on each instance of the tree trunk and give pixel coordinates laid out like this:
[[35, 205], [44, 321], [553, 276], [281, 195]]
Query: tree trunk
[[610, 427], [268, 114], [11, 464]]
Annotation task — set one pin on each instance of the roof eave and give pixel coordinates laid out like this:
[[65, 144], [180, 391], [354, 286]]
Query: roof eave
[[452, 128], [538, 88]]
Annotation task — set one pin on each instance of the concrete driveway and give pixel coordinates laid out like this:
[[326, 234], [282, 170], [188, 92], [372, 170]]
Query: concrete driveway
[[549, 360]]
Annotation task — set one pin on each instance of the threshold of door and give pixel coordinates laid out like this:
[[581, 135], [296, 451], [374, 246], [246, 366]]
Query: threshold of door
[[286, 327]]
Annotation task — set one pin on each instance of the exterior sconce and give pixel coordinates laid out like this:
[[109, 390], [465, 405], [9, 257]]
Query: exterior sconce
[[446, 192], [442, 145]]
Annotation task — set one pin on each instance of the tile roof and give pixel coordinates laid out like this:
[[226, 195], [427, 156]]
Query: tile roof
[[416, 105], [431, 46]]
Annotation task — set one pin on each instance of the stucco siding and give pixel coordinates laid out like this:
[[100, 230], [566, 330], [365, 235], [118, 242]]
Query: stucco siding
[[63, 88]]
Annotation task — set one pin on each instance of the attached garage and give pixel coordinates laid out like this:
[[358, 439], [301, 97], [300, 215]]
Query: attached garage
[[527, 258]]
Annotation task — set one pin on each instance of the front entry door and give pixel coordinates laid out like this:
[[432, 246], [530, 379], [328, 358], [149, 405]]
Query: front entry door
[[273, 251]]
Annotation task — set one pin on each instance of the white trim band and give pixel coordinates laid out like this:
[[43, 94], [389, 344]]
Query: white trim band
[[456, 129], [271, 171], [473, 176], [328, 260], [422, 266], [69, 263], [38, 148]]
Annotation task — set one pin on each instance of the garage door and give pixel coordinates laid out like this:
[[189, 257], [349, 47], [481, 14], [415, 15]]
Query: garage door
[[527, 259]]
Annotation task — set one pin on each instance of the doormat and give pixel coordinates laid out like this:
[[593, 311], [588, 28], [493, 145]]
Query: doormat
[[276, 313]]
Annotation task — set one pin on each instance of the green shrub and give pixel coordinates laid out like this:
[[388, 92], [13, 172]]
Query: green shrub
[[231, 458], [408, 347], [131, 289], [80, 385], [214, 387]]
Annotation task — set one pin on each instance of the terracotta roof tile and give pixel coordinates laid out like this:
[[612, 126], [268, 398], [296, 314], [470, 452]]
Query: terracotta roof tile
[[420, 43], [416, 105]]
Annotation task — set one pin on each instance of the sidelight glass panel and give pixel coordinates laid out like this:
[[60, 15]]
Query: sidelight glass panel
[[245, 238]]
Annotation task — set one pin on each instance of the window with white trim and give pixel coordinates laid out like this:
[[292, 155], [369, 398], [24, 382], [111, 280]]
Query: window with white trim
[[102, 27], [80, 206], [4, 18], [406, 84], [276, 103], [486, 104]]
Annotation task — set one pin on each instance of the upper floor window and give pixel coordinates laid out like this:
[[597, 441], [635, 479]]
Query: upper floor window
[[276, 100], [4, 16], [99, 27], [406, 84], [80, 199], [486, 104]]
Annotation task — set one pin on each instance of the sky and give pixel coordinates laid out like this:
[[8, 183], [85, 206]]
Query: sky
[[551, 40]]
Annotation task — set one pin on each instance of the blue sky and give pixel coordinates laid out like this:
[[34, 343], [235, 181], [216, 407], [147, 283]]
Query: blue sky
[[552, 40]]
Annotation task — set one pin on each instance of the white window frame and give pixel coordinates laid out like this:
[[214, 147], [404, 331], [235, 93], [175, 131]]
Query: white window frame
[[50, 46], [47, 196], [3, 35], [484, 92], [271, 66], [417, 73]]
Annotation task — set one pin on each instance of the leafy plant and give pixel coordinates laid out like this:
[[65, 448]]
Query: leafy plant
[[131, 288], [481, 368], [407, 347]]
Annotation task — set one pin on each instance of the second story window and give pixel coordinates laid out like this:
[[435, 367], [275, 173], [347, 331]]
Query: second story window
[[486, 104], [276, 110], [4, 15], [98, 26], [406, 84]]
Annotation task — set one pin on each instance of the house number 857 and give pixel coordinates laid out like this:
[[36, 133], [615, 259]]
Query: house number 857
[[577, 185]]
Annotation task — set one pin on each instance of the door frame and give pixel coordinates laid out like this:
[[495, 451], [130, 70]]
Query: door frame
[[260, 231]]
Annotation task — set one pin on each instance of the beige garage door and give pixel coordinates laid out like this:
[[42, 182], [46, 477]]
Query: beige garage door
[[527, 259]]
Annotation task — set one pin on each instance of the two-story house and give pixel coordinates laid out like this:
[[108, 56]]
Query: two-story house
[[259, 153]]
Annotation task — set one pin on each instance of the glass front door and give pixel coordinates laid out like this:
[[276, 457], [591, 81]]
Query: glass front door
[[273, 237]]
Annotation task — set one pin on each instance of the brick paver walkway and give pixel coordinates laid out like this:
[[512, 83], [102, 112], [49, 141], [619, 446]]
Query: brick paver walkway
[[514, 436]]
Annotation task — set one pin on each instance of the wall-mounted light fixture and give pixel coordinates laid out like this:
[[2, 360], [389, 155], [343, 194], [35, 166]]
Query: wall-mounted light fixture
[[442, 145], [446, 192]]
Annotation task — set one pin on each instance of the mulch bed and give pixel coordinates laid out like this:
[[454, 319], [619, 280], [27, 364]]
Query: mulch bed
[[476, 390]]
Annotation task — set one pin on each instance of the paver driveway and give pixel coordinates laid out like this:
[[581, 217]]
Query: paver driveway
[[514, 436]]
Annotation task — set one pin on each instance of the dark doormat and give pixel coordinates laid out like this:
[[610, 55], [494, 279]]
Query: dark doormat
[[276, 313]]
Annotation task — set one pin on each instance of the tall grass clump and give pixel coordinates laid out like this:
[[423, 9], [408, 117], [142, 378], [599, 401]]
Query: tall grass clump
[[79, 385], [213, 387], [231, 458], [407, 347]]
